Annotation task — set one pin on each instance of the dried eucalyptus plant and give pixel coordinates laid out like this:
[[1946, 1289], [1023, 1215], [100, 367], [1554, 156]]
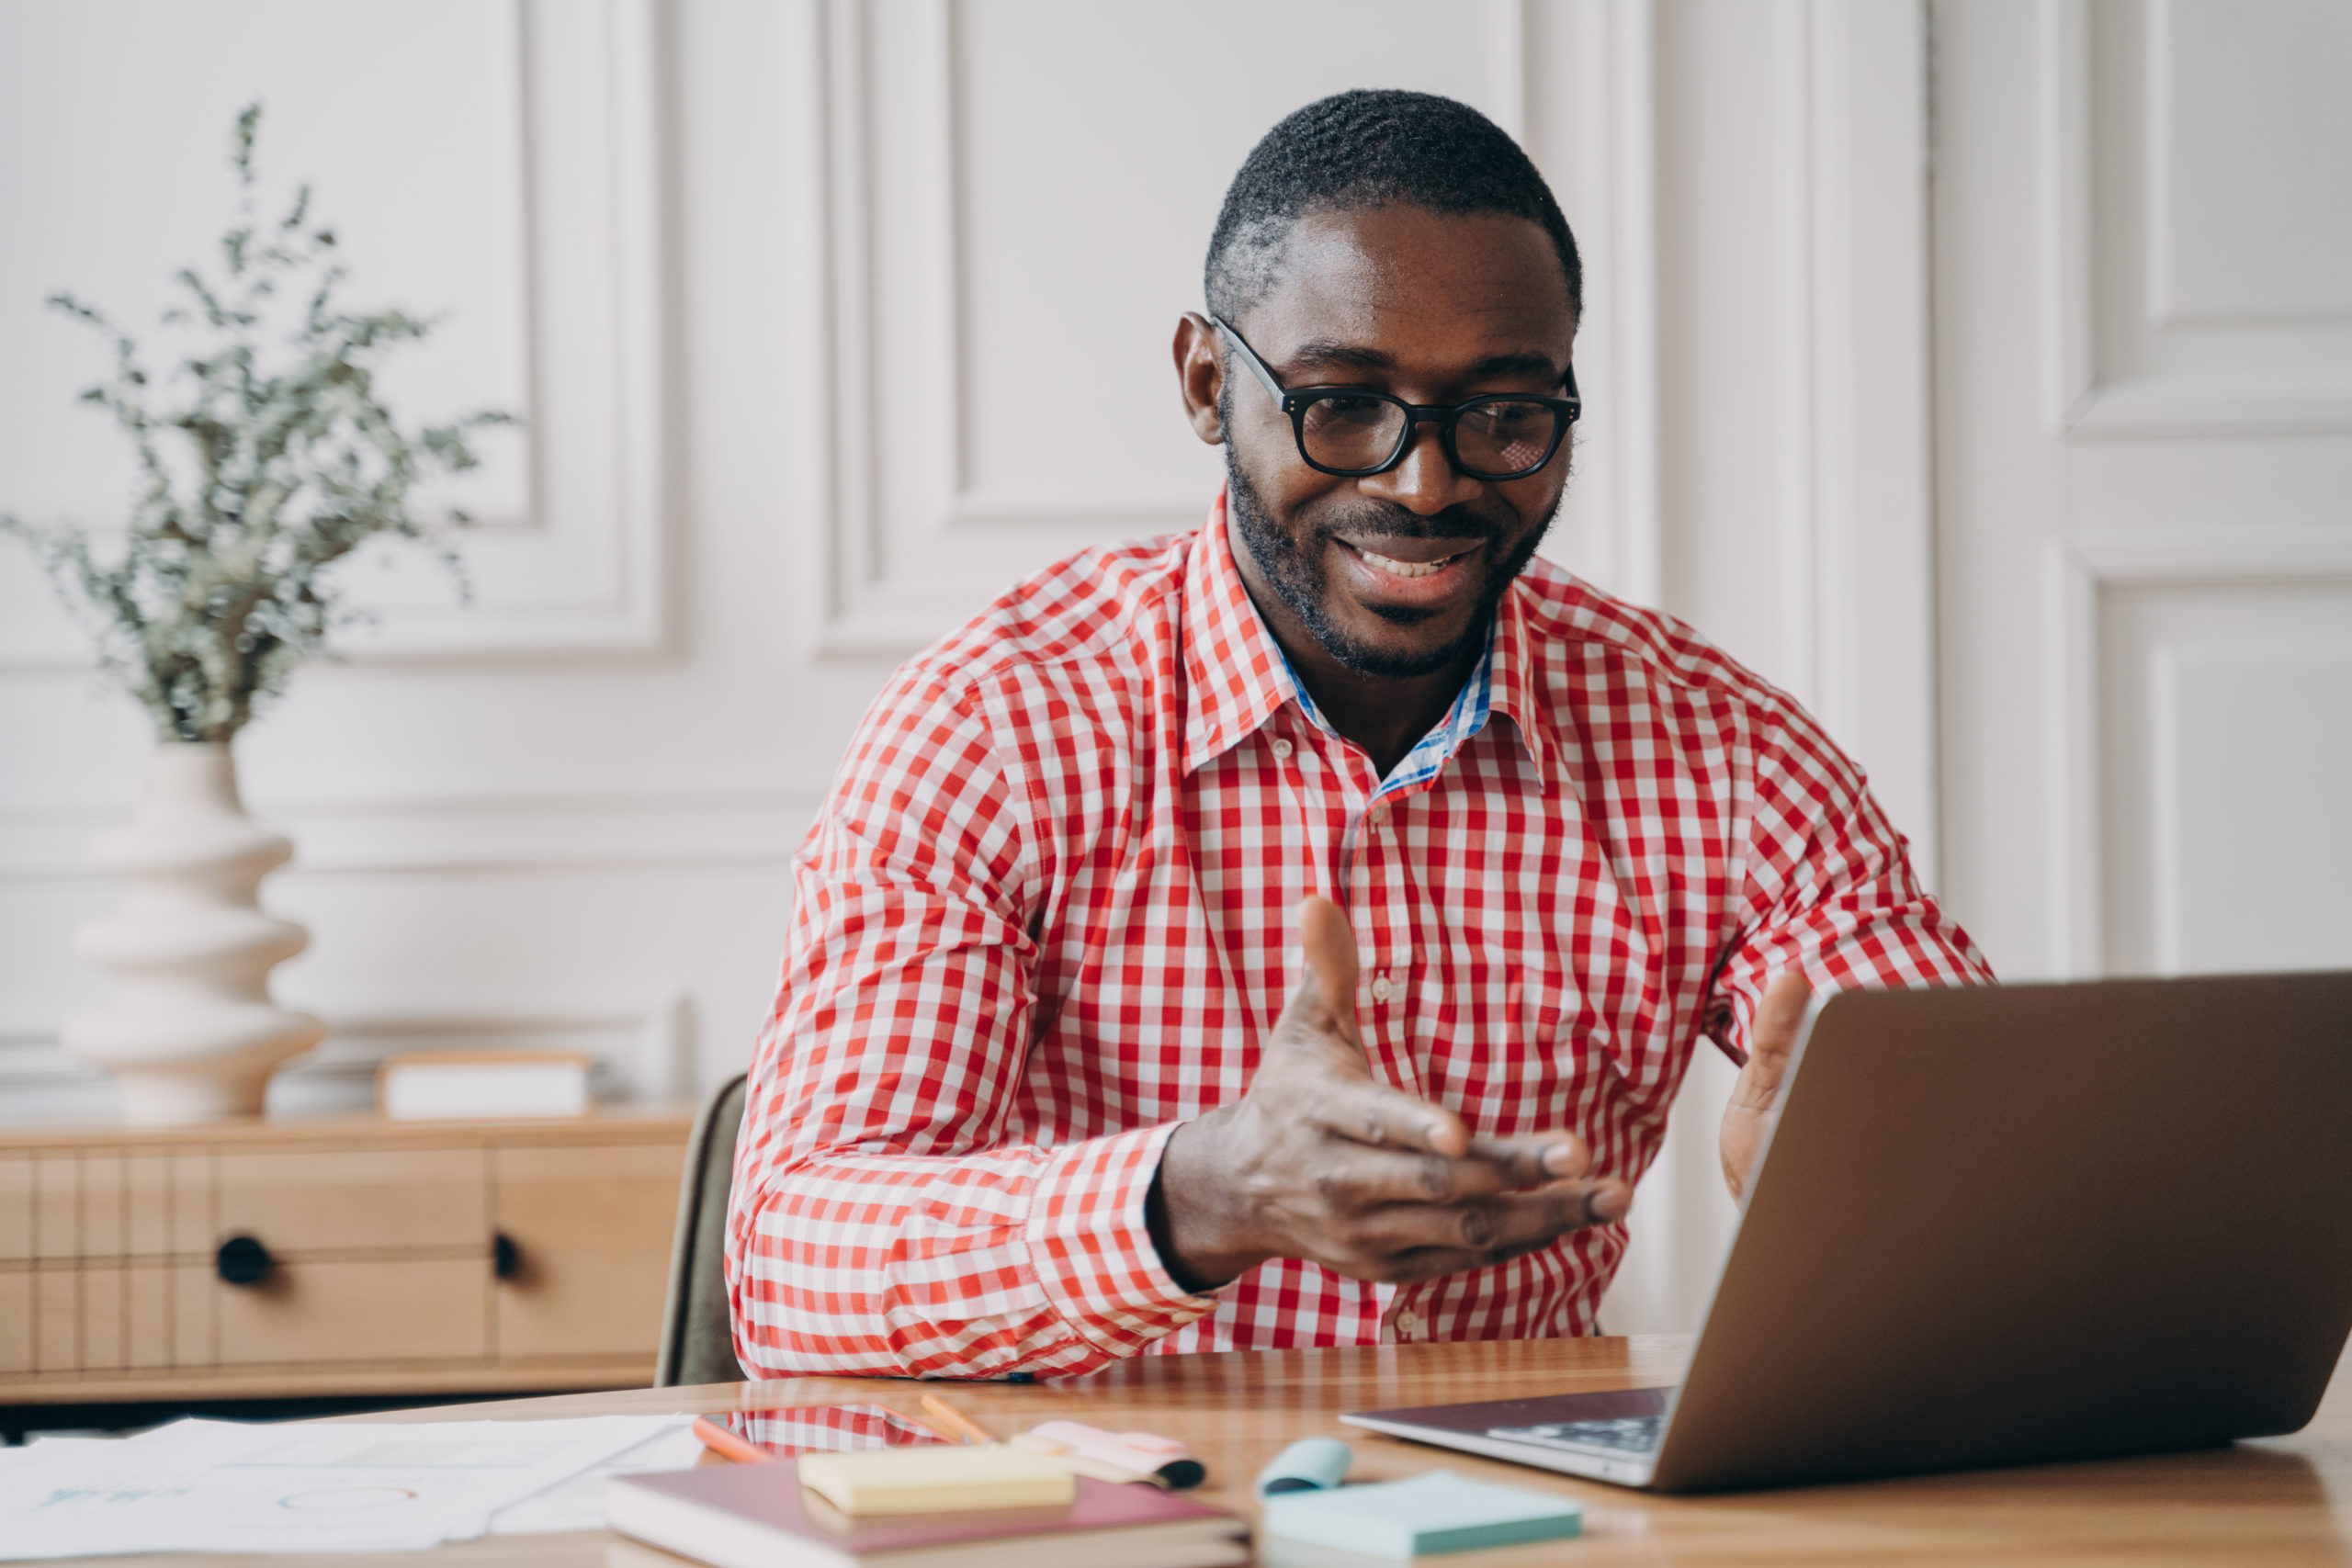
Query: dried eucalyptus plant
[[270, 459]]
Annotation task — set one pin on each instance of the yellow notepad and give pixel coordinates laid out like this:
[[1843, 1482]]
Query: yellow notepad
[[934, 1480]]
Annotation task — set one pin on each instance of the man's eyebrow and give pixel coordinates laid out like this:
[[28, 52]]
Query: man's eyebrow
[[1526, 363], [1328, 354]]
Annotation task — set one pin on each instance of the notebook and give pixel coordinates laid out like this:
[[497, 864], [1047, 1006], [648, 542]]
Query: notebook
[[759, 1516], [1433, 1513]]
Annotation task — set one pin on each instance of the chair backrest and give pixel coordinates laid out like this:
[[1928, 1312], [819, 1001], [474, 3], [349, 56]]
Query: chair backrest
[[698, 1341]]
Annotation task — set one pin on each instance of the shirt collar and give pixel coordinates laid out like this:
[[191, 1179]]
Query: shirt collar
[[1237, 678], [1511, 678], [1234, 679], [1473, 705]]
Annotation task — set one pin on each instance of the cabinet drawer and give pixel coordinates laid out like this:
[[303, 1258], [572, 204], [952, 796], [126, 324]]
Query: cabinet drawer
[[357, 1310], [334, 1201], [16, 1320], [380, 1274], [16, 1209], [593, 1230]]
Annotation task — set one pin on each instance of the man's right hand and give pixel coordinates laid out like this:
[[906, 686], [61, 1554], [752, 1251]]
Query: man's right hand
[[1320, 1161]]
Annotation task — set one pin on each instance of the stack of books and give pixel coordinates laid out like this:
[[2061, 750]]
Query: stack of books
[[760, 1516]]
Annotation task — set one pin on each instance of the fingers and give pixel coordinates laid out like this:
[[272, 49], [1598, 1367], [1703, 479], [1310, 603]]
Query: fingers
[[1359, 1179], [1409, 1165], [1779, 1015], [1355, 1108], [1320, 1019], [1367, 1178], [1531, 1161], [1483, 1231], [1358, 1108], [1330, 944], [1756, 1095]]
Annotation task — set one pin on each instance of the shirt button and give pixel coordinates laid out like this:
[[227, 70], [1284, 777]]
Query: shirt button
[[1377, 815], [1381, 988], [1408, 1324], [1281, 748]]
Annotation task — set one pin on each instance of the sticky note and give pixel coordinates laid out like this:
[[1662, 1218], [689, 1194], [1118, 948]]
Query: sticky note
[[1433, 1513], [933, 1480]]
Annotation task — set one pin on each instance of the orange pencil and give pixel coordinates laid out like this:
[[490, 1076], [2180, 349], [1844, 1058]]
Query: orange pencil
[[955, 1420], [728, 1446]]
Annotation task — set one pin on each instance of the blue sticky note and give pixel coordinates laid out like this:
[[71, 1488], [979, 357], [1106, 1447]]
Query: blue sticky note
[[1437, 1512]]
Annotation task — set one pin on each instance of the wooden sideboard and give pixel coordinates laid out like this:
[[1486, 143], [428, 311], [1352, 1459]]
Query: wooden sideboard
[[345, 1256]]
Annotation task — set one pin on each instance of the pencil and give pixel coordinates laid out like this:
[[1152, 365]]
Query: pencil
[[955, 1420], [728, 1446]]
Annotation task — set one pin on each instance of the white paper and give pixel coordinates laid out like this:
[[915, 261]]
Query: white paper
[[578, 1504], [314, 1486]]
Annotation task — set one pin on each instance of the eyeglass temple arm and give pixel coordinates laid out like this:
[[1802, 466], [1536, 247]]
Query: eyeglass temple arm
[[1250, 357]]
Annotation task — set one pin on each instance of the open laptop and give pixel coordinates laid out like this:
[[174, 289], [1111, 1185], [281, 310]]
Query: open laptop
[[2004, 1225]]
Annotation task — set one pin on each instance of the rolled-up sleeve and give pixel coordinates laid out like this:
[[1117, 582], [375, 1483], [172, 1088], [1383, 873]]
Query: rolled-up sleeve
[[883, 1218], [1829, 886]]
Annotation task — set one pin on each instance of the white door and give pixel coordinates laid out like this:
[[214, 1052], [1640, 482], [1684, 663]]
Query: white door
[[2143, 223]]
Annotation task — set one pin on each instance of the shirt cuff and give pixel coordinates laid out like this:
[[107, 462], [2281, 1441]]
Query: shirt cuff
[[1090, 1244]]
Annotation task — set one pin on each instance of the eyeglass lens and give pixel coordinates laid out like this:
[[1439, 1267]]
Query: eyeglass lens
[[1491, 440]]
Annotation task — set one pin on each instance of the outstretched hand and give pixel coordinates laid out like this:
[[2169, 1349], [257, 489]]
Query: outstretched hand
[[1321, 1161], [1756, 1097]]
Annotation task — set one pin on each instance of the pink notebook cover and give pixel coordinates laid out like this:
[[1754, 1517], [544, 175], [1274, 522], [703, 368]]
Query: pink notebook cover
[[770, 1494]]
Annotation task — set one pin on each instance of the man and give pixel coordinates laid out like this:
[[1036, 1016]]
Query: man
[[1296, 933]]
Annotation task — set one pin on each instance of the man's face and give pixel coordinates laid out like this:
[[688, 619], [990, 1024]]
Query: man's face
[[1393, 574]]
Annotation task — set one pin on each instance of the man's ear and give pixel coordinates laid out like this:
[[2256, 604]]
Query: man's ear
[[1200, 376]]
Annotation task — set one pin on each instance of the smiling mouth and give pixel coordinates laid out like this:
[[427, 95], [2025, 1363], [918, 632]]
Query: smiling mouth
[[1409, 568]]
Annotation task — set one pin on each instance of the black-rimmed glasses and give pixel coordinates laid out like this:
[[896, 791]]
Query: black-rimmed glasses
[[1353, 432]]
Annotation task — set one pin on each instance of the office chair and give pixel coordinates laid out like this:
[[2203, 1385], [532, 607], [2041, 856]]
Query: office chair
[[697, 1343]]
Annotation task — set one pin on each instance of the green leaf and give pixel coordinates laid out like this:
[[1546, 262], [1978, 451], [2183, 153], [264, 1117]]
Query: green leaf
[[275, 461]]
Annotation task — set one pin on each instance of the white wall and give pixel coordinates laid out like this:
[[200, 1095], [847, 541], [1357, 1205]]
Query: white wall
[[2145, 391], [785, 291]]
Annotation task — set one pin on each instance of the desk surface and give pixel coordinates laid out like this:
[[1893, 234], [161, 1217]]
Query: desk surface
[[2276, 1502]]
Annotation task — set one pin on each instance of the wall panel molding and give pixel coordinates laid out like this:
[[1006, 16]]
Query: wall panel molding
[[872, 605], [882, 592], [1508, 65], [2081, 568], [1595, 134], [2121, 360], [585, 569], [539, 832], [1852, 588], [2210, 859]]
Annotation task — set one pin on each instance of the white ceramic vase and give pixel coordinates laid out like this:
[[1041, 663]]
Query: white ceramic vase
[[191, 1033]]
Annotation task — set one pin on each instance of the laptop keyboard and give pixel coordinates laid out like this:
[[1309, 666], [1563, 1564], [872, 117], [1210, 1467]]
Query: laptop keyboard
[[1631, 1434]]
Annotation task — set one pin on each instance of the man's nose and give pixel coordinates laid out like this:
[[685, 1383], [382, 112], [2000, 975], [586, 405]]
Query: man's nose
[[1426, 481]]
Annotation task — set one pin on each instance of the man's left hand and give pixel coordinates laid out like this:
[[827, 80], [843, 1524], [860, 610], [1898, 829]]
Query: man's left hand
[[1755, 1098]]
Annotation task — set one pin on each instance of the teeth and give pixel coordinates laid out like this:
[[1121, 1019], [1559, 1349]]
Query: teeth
[[1407, 568]]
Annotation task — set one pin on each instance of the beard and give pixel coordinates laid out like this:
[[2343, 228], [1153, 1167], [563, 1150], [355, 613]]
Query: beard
[[1294, 568]]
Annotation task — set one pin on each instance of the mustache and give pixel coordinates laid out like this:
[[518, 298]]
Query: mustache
[[1368, 518]]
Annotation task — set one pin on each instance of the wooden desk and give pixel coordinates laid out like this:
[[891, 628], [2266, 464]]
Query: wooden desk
[[2276, 1502]]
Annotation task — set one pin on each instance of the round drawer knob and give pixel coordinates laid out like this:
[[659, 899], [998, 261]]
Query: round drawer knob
[[505, 1257], [242, 1260]]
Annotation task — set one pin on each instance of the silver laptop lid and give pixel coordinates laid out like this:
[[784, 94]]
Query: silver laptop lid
[[2006, 1224]]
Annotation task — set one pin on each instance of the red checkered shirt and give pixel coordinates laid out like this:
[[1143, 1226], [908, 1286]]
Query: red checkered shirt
[[1046, 916]]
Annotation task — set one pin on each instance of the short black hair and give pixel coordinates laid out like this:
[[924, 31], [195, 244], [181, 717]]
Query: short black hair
[[1371, 146]]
